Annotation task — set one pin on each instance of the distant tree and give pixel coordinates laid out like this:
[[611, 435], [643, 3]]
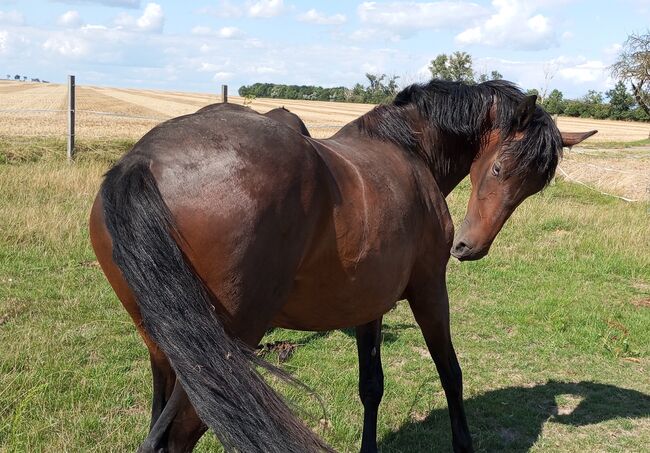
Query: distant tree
[[454, 67], [593, 97], [620, 101], [16, 77], [633, 66], [554, 102], [378, 91], [550, 69], [8, 76], [494, 75], [24, 78], [532, 91], [593, 105]]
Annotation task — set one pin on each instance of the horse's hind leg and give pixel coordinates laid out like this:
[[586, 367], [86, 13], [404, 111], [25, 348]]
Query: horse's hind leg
[[163, 383], [177, 428], [430, 305], [371, 380]]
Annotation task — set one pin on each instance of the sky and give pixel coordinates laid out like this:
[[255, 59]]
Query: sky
[[199, 45]]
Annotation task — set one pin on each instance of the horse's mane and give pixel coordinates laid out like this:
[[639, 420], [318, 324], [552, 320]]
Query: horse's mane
[[458, 110]]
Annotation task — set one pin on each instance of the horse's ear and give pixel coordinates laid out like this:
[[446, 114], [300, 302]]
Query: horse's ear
[[525, 111], [573, 138]]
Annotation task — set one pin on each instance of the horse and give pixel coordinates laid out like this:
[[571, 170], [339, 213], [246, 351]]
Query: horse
[[280, 114], [221, 224]]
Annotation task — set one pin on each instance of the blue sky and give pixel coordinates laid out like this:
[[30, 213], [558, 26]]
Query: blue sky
[[198, 45]]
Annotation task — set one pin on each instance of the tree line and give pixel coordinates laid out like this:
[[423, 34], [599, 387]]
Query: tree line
[[380, 88], [632, 69], [24, 78]]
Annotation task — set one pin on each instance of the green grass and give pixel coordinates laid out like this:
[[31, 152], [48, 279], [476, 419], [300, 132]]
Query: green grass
[[552, 330], [616, 144]]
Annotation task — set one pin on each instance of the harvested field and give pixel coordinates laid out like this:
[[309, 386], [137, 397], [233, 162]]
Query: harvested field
[[321, 117], [134, 112]]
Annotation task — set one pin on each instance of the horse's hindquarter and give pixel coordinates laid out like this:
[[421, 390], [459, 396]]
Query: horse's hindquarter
[[357, 266], [243, 192]]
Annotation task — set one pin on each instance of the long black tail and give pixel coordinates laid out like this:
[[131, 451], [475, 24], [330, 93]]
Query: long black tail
[[217, 372]]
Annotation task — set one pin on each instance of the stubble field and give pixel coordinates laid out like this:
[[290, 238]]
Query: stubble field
[[29, 112]]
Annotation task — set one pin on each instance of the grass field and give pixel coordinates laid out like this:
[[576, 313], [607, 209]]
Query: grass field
[[552, 329]]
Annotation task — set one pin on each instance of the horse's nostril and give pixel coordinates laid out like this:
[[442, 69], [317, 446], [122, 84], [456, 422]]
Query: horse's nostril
[[461, 247]]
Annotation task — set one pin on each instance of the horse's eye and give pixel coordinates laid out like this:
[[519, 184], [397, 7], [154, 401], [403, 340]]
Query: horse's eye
[[496, 168]]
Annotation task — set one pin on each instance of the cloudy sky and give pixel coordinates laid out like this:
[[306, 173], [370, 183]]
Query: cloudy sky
[[198, 45]]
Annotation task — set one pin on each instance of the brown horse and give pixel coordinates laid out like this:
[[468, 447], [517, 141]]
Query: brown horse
[[279, 114], [224, 223]]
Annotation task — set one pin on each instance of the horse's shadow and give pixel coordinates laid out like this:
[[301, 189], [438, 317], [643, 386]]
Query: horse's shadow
[[511, 419]]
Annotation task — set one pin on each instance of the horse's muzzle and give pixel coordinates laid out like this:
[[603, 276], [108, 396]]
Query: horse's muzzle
[[464, 251]]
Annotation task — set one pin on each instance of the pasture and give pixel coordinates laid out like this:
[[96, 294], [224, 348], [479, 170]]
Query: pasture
[[552, 329]]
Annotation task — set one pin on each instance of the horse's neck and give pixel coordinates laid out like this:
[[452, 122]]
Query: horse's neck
[[451, 159], [449, 176], [452, 163]]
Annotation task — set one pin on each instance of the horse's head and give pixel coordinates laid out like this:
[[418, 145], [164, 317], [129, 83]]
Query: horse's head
[[516, 160]]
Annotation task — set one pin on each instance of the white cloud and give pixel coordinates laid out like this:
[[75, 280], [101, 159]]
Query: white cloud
[[118, 3], [4, 38], [573, 75], [588, 71], [151, 20], [222, 76], [320, 18], [67, 46], [224, 32], [405, 16], [613, 50], [514, 24], [224, 9], [70, 19], [12, 17], [265, 8]]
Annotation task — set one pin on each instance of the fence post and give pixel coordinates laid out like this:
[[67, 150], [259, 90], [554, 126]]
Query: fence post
[[224, 93], [71, 111]]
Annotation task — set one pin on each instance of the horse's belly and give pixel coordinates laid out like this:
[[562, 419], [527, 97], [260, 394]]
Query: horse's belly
[[331, 296]]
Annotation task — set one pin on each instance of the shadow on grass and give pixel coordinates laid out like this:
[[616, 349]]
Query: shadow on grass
[[511, 419], [389, 332]]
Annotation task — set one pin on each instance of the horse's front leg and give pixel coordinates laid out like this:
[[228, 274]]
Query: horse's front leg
[[430, 305], [371, 380]]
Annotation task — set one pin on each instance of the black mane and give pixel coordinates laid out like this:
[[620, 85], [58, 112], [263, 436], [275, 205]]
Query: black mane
[[458, 112]]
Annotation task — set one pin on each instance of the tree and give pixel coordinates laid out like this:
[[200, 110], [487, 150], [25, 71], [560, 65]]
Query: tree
[[554, 102], [8, 76], [24, 78], [620, 101], [454, 67], [494, 75], [633, 66], [532, 91], [16, 77], [550, 69]]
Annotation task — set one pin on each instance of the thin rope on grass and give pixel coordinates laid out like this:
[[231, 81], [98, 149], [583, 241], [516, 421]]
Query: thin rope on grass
[[594, 189]]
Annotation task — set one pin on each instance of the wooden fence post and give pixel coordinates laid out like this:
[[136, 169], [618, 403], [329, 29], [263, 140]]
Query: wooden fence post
[[71, 112], [224, 93]]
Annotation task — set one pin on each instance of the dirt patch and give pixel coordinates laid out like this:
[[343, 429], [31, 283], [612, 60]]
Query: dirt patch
[[642, 303]]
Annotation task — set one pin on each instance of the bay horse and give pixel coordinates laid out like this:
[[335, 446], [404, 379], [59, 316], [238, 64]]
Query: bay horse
[[221, 224], [280, 114]]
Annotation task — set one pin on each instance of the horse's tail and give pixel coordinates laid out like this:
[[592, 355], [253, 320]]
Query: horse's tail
[[217, 372]]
